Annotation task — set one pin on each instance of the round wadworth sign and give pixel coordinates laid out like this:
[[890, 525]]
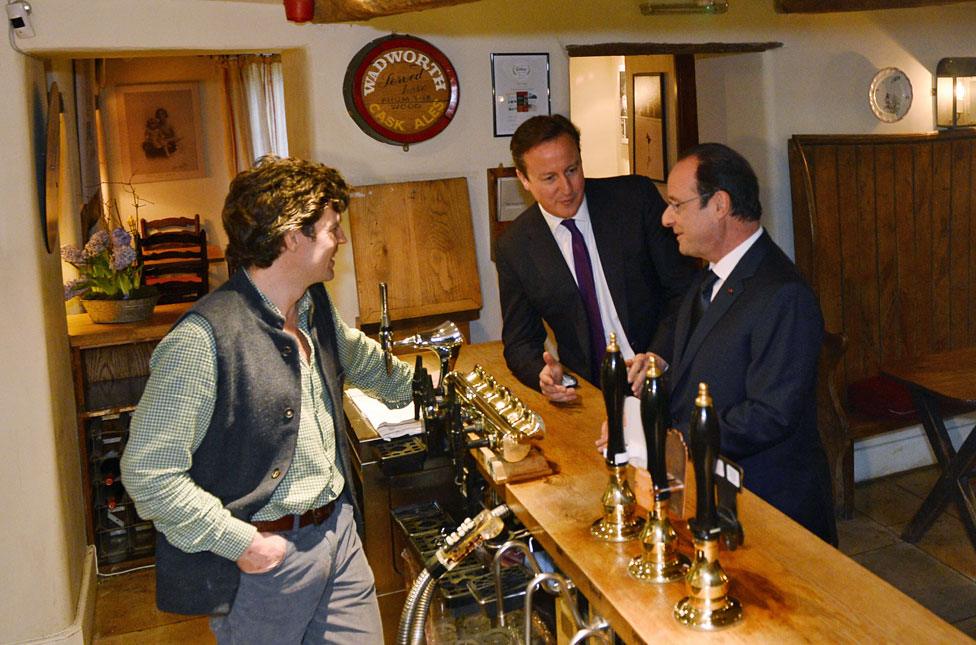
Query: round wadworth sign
[[401, 90]]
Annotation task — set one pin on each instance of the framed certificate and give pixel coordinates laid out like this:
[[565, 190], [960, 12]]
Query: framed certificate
[[519, 89]]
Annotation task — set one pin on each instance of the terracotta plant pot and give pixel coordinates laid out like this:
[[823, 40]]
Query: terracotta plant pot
[[120, 311], [299, 10]]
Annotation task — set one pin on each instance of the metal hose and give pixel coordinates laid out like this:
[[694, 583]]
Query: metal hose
[[420, 616], [420, 585]]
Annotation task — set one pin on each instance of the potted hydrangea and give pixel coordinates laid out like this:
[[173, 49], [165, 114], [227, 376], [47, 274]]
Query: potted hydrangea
[[110, 284]]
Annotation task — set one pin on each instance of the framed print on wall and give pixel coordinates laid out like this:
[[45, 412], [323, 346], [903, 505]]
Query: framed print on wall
[[650, 146], [160, 133], [519, 88]]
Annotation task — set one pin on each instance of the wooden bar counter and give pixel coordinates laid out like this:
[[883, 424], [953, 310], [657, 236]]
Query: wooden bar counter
[[793, 587]]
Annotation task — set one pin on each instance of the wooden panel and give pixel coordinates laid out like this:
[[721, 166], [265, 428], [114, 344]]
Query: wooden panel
[[823, 166], [865, 294], [417, 237], [960, 245], [941, 200], [644, 49], [904, 341], [972, 236], [885, 235], [923, 249], [687, 109]]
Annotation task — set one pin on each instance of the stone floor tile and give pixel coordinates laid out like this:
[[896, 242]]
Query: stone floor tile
[[862, 534], [885, 502], [944, 591], [967, 627], [947, 541]]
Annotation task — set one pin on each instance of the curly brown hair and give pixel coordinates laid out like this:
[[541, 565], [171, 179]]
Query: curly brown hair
[[277, 195]]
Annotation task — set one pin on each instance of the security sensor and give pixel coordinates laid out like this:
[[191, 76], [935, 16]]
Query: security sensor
[[18, 13]]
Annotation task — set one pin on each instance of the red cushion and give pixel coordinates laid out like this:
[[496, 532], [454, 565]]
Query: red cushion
[[880, 397]]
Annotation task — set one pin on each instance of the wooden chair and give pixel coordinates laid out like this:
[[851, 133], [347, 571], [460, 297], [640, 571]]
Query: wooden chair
[[173, 253], [832, 422]]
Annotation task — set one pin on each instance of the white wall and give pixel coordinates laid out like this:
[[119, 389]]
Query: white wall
[[595, 109], [816, 83]]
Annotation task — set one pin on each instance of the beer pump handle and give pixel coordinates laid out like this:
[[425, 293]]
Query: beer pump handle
[[386, 331], [613, 380], [655, 412], [417, 387], [704, 438]]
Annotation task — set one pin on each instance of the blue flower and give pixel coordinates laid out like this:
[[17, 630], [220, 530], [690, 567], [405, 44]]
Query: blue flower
[[97, 243]]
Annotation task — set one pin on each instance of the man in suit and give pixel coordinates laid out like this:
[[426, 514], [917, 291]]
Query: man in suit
[[756, 341], [590, 258]]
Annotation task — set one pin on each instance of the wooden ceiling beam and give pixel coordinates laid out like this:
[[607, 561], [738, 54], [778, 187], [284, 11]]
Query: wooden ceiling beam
[[643, 49], [330, 11], [830, 6]]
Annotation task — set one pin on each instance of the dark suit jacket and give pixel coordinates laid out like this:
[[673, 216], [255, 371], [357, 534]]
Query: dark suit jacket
[[644, 272], [756, 347]]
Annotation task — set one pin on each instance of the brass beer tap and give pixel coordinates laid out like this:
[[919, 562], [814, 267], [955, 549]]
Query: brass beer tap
[[619, 522], [659, 560], [707, 605]]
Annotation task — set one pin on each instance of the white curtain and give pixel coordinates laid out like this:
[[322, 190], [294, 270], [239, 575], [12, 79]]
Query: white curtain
[[254, 93]]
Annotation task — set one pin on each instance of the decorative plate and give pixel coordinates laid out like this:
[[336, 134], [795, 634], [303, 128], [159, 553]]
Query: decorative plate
[[890, 94]]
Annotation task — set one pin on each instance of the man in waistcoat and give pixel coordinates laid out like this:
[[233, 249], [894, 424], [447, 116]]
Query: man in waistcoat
[[237, 450]]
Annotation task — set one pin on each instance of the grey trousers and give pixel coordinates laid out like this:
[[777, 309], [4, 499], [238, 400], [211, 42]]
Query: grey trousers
[[322, 592]]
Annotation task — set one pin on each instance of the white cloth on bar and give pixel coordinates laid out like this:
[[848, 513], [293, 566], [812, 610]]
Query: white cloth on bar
[[390, 424]]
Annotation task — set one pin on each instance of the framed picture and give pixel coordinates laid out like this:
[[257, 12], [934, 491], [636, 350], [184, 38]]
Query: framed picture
[[650, 146], [160, 134], [519, 89], [507, 198]]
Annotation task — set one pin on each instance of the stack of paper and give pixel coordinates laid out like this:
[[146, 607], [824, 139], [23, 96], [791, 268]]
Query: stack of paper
[[388, 423]]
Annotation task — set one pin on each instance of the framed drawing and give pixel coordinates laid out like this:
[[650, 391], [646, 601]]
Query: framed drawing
[[519, 88], [650, 147], [506, 200], [160, 135]]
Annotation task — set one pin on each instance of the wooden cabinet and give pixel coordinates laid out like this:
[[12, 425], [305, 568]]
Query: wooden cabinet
[[110, 366]]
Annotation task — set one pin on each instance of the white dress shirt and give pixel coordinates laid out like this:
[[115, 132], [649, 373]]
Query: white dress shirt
[[564, 240], [724, 267]]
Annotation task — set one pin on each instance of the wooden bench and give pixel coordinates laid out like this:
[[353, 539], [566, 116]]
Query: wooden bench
[[885, 232]]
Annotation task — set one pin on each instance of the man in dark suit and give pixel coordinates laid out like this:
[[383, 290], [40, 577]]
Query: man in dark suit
[[756, 341], [589, 258]]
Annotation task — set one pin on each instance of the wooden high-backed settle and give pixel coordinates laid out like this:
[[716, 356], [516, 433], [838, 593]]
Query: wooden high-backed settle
[[885, 231]]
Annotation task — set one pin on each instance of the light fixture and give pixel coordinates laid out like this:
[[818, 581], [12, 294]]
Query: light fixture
[[955, 83], [689, 6]]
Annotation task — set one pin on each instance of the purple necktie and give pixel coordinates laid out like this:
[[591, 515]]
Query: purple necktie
[[587, 289]]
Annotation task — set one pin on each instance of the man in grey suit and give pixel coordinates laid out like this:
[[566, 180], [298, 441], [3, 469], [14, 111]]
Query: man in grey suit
[[751, 329], [590, 258]]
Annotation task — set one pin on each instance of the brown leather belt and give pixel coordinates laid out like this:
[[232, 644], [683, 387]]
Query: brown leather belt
[[289, 522]]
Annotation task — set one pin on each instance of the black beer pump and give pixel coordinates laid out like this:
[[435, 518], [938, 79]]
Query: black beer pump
[[619, 522], [659, 560], [707, 605]]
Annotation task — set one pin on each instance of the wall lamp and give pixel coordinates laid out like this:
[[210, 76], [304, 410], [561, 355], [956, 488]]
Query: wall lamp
[[689, 6], [955, 83]]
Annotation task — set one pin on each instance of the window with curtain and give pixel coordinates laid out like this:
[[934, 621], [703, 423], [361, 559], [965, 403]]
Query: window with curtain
[[254, 94]]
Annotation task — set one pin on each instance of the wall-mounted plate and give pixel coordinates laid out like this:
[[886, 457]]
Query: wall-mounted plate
[[890, 95]]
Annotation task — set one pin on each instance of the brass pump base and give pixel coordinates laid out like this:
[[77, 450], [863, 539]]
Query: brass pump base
[[707, 606], [659, 561], [619, 522]]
